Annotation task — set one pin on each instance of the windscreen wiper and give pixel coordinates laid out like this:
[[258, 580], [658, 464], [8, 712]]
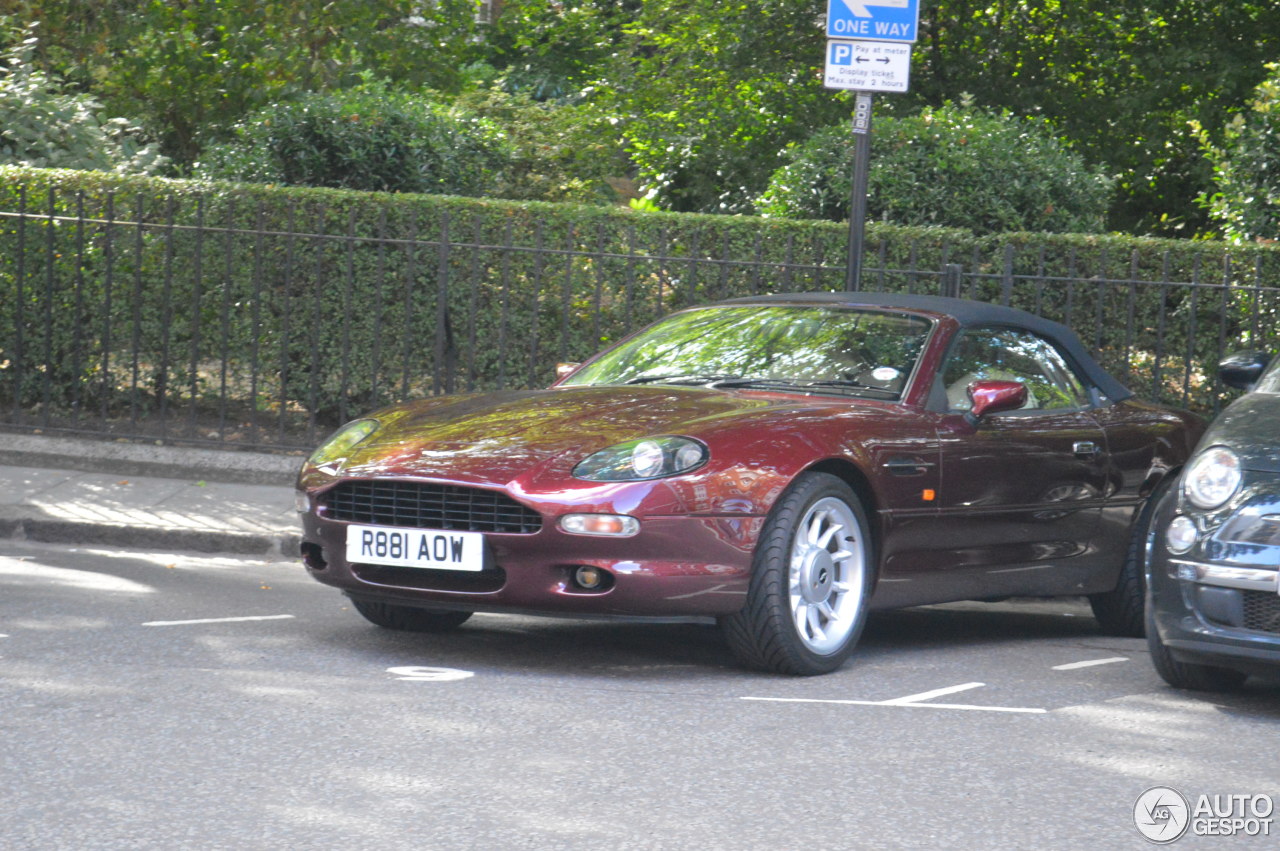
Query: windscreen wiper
[[849, 382], [683, 378], [833, 384]]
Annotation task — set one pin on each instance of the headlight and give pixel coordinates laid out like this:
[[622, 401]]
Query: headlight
[[1181, 535], [1213, 477], [340, 444], [649, 458]]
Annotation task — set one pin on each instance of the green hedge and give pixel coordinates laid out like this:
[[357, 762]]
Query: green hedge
[[124, 299]]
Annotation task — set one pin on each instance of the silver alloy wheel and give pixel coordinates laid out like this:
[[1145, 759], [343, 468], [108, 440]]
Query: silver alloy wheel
[[827, 575]]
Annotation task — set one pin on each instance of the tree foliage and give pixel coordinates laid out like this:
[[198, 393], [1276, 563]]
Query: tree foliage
[[706, 95], [556, 150], [43, 125], [1246, 168], [189, 70], [952, 166], [715, 92], [1123, 81]]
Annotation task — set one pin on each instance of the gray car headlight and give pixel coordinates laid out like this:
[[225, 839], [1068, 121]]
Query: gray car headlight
[[1212, 478], [647, 458]]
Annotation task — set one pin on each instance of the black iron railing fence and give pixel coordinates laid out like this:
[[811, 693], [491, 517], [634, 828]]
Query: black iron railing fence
[[217, 320]]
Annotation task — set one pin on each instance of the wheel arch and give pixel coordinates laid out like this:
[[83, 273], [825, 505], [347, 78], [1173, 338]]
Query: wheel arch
[[853, 476], [1156, 478]]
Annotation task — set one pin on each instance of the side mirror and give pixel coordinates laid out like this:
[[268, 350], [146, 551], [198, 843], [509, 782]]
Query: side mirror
[[1243, 369], [564, 369], [992, 397]]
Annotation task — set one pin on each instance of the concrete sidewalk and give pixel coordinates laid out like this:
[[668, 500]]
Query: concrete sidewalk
[[64, 490]]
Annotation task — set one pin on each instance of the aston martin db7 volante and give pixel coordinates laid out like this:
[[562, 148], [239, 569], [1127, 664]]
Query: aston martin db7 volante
[[781, 463]]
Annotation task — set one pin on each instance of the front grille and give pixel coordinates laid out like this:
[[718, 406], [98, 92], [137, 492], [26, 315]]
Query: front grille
[[428, 506], [1262, 611]]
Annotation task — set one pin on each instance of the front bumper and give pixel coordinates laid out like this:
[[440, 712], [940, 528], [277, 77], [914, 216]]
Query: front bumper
[[1219, 603], [674, 567]]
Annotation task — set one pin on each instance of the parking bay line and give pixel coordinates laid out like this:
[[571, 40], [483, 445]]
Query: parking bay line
[[912, 700], [1090, 663], [219, 620]]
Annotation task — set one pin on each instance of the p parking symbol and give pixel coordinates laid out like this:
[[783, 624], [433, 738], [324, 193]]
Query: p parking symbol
[[841, 53]]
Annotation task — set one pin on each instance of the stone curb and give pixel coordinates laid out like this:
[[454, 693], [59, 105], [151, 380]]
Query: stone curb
[[149, 538], [143, 459]]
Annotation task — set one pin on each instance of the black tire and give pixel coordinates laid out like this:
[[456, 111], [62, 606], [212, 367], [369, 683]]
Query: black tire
[[408, 618], [1188, 675], [813, 568], [1120, 611]]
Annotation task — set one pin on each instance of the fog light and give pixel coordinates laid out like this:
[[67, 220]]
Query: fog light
[[588, 578], [313, 556], [1181, 534], [610, 525]]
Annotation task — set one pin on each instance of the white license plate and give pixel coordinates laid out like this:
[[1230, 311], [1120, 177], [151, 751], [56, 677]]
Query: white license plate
[[415, 548]]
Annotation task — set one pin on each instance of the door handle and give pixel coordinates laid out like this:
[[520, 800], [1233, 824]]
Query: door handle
[[1085, 448]]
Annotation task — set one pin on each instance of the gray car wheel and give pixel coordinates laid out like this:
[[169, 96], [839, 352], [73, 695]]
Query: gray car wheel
[[811, 580]]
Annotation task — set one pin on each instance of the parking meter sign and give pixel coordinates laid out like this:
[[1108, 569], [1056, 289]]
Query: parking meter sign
[[869, 66]]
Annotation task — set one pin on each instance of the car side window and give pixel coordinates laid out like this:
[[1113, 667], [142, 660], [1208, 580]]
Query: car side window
[[1006, 354]]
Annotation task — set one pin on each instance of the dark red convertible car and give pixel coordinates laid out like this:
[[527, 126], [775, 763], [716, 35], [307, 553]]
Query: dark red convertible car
[[781, 463]]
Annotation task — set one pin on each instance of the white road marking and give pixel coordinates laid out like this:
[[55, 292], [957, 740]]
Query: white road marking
[[219, 620], [1089, 664], [930, 695], [422, 674], [960, 706]]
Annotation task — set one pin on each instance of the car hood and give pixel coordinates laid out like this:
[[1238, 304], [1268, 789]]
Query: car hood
[[1251, 427], [497, 437]]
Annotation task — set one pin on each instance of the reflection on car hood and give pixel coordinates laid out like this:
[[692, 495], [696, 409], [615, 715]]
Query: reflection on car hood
[[498, 436], [1251, 427]]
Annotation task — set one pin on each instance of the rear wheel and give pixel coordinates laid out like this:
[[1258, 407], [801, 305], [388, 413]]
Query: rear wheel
[[810, 582], [408, 618], [1120, 610]]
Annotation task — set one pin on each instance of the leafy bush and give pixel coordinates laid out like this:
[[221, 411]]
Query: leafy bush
[[370, 138], [1246, 170], [558, 151], [953, 167], [42, 126]]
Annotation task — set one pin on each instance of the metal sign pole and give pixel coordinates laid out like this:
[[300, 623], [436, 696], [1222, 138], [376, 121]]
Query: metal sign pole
[[858, 196]]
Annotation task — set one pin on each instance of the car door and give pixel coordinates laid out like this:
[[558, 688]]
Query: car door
[[1020, 493]]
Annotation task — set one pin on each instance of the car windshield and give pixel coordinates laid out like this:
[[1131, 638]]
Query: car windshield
[[817, 349]]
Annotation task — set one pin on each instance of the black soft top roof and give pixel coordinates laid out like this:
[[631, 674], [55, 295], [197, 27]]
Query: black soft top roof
[[969, 314]]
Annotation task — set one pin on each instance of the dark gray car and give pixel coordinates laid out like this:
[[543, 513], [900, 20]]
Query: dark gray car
[[1213, 604]]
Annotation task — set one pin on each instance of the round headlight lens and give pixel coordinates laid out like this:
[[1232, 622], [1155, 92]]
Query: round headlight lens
[[1181, 535], [647, 458], [1213, 477]]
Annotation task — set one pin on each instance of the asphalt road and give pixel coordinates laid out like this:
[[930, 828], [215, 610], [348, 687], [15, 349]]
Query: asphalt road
[[167, 701]]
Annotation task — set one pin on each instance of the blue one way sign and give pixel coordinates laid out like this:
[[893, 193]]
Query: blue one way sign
[[878, 20]]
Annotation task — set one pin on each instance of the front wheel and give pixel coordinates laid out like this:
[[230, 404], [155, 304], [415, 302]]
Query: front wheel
[[811, 579], [1188, 675], [408, 618]]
